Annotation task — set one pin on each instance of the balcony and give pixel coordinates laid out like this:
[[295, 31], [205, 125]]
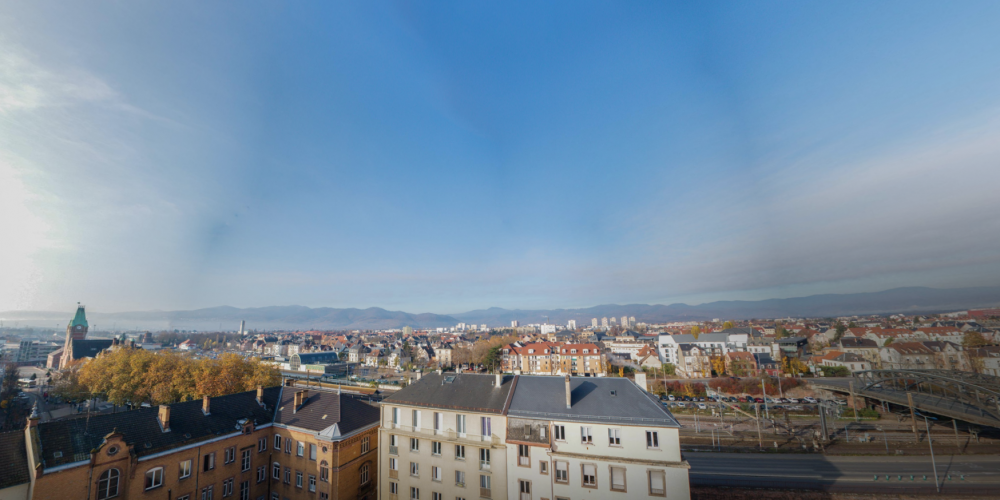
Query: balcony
[[393, 496], [393, 450], [485, 493], [484, 466], [524, 461], [525, 496], [393, 474]]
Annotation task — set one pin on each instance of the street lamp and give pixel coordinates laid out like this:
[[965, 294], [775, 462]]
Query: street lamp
[[884, 439], [933, 462]]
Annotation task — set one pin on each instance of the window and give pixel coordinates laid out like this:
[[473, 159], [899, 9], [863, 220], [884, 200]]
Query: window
[[438, 422], [261, 473], [414, 444], [484, 458], [230, 455], [657, 483], [275, 496], [107, 484], [460, 425], [276, 471], [277, 442], [185, 469], [300, 449], [395, 416], [486, 427], [365, 444], [459, 478], [416, 420], [437, 496], [614, 437], [652, 439], [435, 474], [543, 467], [435, 447], [324, 474], [208, 462], [245, 465], [393, 464], [227, 487], [589, 475], [484, 481], [585, 436], [245, 490], [414, 493], [525, 487], [562, 472], [523, 455], [154, 478], [288, 475], [261, 445], [618, 479], [560, 432], [364, 474], [206, 492], [184, 497], [298, 479], [312, 483], [459, 452], [394, 488], [414, 469], [288, 446]]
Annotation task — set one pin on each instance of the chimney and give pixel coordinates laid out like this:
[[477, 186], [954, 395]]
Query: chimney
[[34, 417], [640, 380], [260, 395], [569, 393], [204, 405], [300, 399], [164, 418], [499, 380], [289, 382], [420, 374]]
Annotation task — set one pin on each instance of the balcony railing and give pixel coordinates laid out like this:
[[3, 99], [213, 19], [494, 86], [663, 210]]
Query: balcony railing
[[393, 496], [393, 474], [525, 496], [523, 461], [484, 465], [393, 450], [485, 493]]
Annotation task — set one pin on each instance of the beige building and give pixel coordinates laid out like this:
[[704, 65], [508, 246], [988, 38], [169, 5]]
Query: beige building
[[443, 438]]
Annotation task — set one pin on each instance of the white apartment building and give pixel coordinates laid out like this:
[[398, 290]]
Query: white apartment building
[[467, 436], [575, 438], [713, 344], [593, 322], [443, 438], [571, 324]]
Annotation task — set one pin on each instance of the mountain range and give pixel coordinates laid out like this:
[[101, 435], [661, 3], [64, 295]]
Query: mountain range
[[909, 300]]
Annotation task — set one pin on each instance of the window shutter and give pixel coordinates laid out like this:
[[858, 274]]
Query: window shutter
[[656, 482], [589, 470], [618, 478]]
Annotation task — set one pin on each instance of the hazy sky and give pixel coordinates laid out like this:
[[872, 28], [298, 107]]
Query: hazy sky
[[436, 156]]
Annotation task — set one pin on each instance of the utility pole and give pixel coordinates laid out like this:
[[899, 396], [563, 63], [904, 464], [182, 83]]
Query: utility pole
[[854, 401], [760, 441], [930, 442], [913, 413]]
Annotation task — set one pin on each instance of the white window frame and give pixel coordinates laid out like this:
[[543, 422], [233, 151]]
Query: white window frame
[[154, 474], [184, 469]]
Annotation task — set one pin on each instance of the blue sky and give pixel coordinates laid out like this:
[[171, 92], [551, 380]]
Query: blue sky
[[445, 156]]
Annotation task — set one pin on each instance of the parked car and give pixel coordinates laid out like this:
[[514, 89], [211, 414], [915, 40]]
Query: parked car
[[810, 400], [793, 400], [671, 397], [702, 406]]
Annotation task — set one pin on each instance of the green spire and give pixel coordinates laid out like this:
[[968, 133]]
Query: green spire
[[80, 318]]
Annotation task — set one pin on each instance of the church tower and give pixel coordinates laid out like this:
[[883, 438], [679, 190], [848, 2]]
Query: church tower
[[76, 330]]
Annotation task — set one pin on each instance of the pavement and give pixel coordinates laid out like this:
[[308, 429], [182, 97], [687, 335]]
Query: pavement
[[957, 474]]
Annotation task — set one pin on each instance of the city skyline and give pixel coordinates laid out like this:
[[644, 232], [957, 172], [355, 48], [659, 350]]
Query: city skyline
[[454, 157]]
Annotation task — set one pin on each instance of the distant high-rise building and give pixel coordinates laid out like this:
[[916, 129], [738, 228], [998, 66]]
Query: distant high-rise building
[[407, 331], [461, 327], [515, 323], [571, 324], [625, 321], [631, 320], [593, 323], [614, 320], [483, 328], [604, 322], [243, 327]]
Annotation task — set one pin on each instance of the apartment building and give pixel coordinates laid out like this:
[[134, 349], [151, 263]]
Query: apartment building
[[552, 358], [709, 344], [278, 443], [579, 438], [443, 438], [551, 438]]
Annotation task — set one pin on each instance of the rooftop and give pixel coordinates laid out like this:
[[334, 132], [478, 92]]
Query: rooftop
[[326, 411], [593, 399], [461, 391]]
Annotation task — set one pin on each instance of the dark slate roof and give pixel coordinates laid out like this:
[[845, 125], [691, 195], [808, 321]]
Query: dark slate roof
[[745, 330], [89, 348], [13, 459], [74, 438], [323, 408], [857, 342], [464, 391], [592, 400]]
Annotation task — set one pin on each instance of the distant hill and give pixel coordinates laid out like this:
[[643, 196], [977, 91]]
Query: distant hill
[[899, 300]]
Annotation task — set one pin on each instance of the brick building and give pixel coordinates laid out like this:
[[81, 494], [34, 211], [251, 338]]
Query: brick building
[[279, 443]]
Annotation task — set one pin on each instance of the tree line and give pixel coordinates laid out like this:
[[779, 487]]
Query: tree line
[[134, 376]]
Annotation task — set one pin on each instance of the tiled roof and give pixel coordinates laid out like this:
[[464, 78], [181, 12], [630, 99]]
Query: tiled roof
[[910, 348], [13, 459], [465, 391], [73, 439], [89, 348], [323, 408]]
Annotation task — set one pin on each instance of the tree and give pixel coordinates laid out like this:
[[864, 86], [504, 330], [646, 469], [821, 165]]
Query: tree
[[719, 365], [973, 339], [727, 325], [793, 366], [696, 331], [888, 341], [780, 332], [840, 329]]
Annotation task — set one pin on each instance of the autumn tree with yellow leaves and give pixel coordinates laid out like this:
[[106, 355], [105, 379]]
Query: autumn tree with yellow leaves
[[133, 376]]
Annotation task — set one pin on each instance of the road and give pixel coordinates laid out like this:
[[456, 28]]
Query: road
[[844, 473]]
